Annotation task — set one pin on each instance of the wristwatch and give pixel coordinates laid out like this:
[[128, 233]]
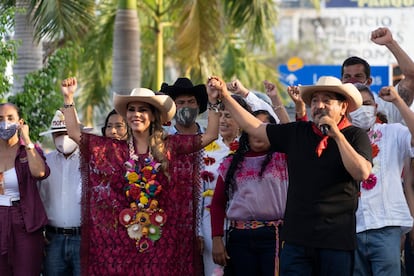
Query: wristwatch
[[30, 146]]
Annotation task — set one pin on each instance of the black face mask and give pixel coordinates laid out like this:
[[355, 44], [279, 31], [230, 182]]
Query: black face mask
[[186, 116]]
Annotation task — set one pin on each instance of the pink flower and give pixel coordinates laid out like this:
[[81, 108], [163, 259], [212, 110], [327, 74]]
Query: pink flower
[[370, 182]]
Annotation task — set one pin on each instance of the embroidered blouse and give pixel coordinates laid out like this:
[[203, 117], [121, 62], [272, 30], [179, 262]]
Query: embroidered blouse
[[106, 248]]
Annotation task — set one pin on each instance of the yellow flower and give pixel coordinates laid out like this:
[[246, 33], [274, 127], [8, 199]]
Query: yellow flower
[[212, 146], [133, 177], [143, 200]]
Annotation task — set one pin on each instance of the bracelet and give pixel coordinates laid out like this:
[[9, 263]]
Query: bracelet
[[68, 105], [276, 108], [215, 107]]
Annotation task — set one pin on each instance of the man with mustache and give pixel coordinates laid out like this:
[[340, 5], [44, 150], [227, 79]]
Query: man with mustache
[[324, 172]]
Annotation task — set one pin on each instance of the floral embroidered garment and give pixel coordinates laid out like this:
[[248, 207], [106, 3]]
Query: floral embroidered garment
[[106, 248], [382, 202]]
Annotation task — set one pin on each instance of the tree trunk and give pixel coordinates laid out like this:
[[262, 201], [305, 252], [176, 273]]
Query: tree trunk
[[126, 72], [29, 53]]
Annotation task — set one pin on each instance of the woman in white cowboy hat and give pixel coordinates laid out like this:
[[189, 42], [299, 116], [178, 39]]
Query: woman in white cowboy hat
[[140, 196]]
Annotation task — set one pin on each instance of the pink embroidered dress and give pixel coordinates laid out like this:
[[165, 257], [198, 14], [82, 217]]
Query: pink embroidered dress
[[106, 248]]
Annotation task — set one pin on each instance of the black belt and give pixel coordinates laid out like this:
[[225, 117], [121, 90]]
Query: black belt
[[15, 203], [71, 231]]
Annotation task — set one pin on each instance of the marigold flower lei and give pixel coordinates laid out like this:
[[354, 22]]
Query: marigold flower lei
[[144, 219]]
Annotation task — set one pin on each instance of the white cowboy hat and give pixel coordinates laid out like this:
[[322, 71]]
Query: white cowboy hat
[[332, 84], [58, 124], [163, 103]]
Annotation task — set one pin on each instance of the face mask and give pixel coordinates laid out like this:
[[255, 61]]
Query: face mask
[[7, 130], [355, 80], [65, 145], [186, 116], [364, 117]]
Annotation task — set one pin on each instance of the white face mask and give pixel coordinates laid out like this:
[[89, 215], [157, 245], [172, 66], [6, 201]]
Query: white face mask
[[364, 117], [65, 145]]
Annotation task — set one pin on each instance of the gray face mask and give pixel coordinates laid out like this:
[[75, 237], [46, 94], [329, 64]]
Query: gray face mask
[[186, 116], [7, 130]]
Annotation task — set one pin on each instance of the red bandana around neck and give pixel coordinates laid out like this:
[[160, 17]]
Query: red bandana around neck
[[324, 142]]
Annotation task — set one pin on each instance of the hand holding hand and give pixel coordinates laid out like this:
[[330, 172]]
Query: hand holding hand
[[381, 36], [237, 88], [216, 89]]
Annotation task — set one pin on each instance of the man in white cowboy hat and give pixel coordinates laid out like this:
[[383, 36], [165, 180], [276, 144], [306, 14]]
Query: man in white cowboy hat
[[61, 196], [324, 172], [191, 100]]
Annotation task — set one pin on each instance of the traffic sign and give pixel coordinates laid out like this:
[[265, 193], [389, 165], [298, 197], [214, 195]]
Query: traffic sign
[[309, 74]]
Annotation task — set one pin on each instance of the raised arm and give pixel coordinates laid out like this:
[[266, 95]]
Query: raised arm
[[278, 107], [68, 88], [389, 94], [212, 130], [300, 106], [383, 36], [254, 101], [246, 121]]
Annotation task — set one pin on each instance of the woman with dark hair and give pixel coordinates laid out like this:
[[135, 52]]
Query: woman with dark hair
[[251, 193], [115, 126], [22, 214], [214, 153]]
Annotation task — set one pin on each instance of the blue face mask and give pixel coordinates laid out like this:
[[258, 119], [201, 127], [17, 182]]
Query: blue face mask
[[7, 130]]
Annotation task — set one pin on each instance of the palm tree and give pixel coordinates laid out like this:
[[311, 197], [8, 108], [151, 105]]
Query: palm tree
[[194, 41], [36, 20], [30, 52], [126, 73]]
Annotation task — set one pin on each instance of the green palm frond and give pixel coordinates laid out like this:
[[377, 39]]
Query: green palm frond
[[199, 32], [54, 18], [95, 74], [254, 19]]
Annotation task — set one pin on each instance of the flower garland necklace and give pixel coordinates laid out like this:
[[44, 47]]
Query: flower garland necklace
[[144, 219]]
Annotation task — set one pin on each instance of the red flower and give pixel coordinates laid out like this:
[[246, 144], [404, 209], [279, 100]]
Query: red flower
[[209, 160], [134, 192], [375, 150], [234, 145], [370, 182], [207, 176]]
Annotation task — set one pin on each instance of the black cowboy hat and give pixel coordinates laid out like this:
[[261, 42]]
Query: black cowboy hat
[[184, 86]]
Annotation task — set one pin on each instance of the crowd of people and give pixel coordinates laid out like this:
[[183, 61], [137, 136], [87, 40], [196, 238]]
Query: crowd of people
[[251, 193]]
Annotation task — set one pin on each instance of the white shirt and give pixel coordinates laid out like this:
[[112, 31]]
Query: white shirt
[[11, 188], [61, 191], [385, 204]]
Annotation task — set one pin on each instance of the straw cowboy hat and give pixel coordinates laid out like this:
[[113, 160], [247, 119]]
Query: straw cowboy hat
[[163, 103], [332, 84], [184, 86], [58, 124]]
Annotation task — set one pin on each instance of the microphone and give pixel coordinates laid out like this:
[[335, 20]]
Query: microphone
[[324, 129]]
